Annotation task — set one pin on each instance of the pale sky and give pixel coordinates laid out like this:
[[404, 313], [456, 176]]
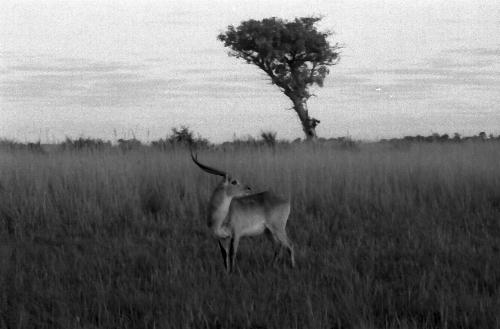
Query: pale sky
[[118, 69]]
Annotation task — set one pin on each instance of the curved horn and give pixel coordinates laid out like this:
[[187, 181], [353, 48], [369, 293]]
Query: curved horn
[[206, 168]]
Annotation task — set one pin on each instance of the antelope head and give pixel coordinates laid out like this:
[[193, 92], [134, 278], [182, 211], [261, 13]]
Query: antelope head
[[231, 186]]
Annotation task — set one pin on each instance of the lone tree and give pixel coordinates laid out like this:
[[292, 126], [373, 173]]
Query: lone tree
[[294, 54]]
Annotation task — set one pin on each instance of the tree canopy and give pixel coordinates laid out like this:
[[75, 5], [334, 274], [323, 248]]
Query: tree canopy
[[294, 54]]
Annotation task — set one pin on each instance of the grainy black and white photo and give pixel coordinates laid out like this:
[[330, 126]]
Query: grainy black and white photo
[[250, 164]]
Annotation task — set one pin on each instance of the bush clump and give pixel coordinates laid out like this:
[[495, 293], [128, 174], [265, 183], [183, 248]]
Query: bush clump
[[181, 137], [129, 144], [84, 143], [11, 145]]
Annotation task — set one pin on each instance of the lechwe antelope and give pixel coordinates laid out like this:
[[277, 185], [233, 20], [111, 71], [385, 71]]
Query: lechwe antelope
[[235, 212]]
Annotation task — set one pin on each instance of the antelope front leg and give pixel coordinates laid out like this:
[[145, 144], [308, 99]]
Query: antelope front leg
[[223, 245], [232, 252]]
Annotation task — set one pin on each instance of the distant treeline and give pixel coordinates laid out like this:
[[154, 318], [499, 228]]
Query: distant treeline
[[184, 137], [482, 136], [179, 138]]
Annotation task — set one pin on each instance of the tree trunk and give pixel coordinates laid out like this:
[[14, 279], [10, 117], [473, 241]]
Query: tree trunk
[[308, 124]]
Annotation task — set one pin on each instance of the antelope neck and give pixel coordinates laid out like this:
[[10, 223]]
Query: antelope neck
[[219, 207]]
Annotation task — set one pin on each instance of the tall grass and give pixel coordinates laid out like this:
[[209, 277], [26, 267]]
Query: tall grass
[[385, 238]]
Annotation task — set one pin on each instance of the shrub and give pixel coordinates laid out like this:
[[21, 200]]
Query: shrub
[[91, 144], [269, 137], [129, 144], [11, 145], [183, 137]]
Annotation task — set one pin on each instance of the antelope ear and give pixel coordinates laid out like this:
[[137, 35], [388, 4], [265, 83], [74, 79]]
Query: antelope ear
[[227, 178]]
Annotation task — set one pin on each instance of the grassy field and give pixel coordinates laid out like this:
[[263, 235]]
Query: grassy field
[[385, 238]]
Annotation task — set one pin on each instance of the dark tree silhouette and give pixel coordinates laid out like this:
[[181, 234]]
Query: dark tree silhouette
[[294, 54]]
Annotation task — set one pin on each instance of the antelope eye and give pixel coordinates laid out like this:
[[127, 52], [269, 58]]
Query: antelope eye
[[234, 182]]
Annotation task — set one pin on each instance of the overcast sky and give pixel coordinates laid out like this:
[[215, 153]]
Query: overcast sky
[[121, 69]]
